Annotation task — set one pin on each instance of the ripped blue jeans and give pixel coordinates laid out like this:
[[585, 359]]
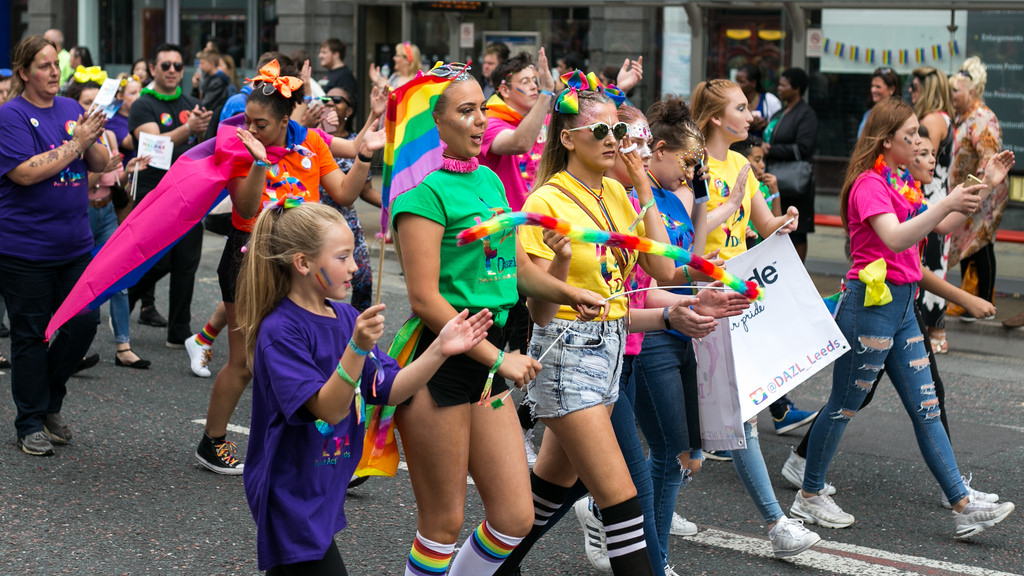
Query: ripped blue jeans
[[882, 335]]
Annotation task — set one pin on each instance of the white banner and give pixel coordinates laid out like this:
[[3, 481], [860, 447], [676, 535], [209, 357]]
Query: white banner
[[751, 360]]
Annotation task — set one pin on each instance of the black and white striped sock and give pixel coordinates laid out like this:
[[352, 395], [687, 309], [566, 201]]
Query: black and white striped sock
[[547, 499], [624, 536]]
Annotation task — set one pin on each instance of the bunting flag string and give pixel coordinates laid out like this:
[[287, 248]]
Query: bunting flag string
[[903, 56]]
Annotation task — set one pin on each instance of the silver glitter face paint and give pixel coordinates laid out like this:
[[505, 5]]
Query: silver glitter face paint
[[640, 133]]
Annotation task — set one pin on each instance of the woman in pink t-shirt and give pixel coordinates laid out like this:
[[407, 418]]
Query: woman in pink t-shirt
[[884, 212]]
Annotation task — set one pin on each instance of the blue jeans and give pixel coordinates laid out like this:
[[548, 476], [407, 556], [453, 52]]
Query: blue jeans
[[882, 336], [633, 452], [103, 222], [667, 412], [750, 467], [39, 373]]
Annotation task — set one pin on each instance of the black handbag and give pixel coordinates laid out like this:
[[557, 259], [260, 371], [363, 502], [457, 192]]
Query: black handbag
[[795, 177], [119, 196]]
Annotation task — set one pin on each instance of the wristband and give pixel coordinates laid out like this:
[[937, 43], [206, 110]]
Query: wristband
[[362, 158], [262, 163], [686, 272], [355, 348], [664, 316], [547, 93], [643, 212], [340, 371], [490, 376]]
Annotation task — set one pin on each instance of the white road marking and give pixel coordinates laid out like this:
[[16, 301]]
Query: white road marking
[[840, 558], [231, 427]]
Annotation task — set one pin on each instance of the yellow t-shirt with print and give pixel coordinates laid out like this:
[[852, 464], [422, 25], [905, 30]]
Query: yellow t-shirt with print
[[592, 267], [729, 237]]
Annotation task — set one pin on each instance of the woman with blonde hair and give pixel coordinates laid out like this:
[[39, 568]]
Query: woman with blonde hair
[[929, 94], [978, 137], [408, 62]]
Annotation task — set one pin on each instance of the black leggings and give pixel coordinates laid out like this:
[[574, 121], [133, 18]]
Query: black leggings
[[940, 390], [984, 261], [330, 565]]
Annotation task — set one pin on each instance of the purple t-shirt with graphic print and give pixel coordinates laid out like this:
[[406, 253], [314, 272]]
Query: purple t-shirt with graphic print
[[297, 468], [47, 221]]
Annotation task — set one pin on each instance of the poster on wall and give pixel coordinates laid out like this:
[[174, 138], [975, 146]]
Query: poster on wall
[[996, 38]]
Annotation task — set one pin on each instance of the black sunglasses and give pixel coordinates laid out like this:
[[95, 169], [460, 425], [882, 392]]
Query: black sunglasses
[[178, 66], [600, 130], [339, 100]]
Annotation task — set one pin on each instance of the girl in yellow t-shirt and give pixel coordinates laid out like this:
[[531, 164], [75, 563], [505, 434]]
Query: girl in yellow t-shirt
[[573, 395]]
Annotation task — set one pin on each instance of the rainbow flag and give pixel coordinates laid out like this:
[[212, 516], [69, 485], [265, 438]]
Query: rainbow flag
[[937, 52], [869, 55], [954, 48], [413, 147], [886, 57], [840, 49], [828, 46], [919, 55], [854, 53], [903, 57]]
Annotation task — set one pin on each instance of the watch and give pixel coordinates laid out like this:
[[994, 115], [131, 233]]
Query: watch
[[664, 316]]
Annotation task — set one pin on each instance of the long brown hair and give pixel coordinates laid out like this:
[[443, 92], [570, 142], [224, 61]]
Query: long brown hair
[[21, 59], [709, 100], [556, 156], [885, 119], [265, 277]]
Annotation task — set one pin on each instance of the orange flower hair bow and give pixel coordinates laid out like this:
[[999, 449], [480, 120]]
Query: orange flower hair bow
[[271, 74]]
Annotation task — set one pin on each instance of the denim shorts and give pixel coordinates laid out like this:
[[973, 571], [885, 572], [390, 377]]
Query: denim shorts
[[581, 370]]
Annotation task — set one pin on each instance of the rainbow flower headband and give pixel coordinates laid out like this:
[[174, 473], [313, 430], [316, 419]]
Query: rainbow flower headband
[[568, 102], [510, 220]]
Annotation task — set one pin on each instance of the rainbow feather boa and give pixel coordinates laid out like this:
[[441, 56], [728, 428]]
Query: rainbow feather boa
[[613, 239]]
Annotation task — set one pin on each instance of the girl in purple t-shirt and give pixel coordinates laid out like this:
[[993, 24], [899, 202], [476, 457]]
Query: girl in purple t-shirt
[[313, 361], [886, 218]]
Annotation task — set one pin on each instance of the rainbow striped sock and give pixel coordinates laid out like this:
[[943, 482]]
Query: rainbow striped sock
[[484, 552], [207, 335], [428, 558]]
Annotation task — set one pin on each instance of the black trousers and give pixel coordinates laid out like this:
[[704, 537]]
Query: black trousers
[[181, 262]]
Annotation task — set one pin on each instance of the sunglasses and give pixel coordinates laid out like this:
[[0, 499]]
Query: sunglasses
[[178, 66], [601, 129], [337, 100], [453, 70]]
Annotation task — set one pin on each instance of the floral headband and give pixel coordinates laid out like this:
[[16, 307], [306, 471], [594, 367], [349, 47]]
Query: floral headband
[[90, 74], [270, 75], [568, 102]]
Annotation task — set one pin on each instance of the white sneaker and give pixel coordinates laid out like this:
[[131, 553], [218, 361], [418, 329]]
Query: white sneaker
[[980, 515], [789, 538], [531, 453], [821, 510], [793, 471], [974, 495], [670, 571], [593, 534], [199, 356], [681, 526]]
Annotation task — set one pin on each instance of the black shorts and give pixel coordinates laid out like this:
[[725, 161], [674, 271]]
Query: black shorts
[[231, 264], [461, 379]]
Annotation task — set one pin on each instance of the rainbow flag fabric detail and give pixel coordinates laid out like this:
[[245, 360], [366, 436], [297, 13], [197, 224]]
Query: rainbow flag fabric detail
[[426, 561], [413, 147]]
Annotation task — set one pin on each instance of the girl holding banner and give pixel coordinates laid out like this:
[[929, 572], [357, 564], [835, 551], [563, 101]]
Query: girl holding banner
[[720, 111], [885, 216], [452, 426]]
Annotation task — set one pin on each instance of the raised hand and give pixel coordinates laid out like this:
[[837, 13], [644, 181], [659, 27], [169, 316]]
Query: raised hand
[[997, 167], [544, 79], [464, 332], [379, 100], [254, 146], [631, 73], [369, 327], [88, 129]]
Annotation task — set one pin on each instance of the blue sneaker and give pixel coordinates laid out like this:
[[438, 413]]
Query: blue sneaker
[[720, 455], [793, 419]]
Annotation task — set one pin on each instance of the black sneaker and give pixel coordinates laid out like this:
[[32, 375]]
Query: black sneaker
[[57, 429], [218, 456], [150, 317], [36, 444]]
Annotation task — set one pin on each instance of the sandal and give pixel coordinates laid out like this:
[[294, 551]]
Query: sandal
[[139, 364], [939, 346]]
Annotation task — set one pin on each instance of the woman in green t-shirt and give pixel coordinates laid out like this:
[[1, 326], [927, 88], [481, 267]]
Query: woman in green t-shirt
[[448, 429]]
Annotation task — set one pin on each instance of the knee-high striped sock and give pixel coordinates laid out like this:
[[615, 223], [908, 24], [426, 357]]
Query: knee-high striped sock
[[483, 552], [428, 558], [207, 335], [547, 498], [624, 535]]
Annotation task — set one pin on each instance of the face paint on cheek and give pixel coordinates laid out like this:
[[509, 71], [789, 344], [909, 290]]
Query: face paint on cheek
[[521, 91], [908, 140], [731, 129], [324, 279]]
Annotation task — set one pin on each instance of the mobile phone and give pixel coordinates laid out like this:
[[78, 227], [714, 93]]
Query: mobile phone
[[971, 177], [699, 185]]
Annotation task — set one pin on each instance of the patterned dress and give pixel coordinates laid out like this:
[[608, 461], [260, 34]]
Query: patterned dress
[[936, 252], [978, 138], [362, 280]]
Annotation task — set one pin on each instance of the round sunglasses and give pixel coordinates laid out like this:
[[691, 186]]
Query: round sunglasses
[[178, 66], [601, 129]]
